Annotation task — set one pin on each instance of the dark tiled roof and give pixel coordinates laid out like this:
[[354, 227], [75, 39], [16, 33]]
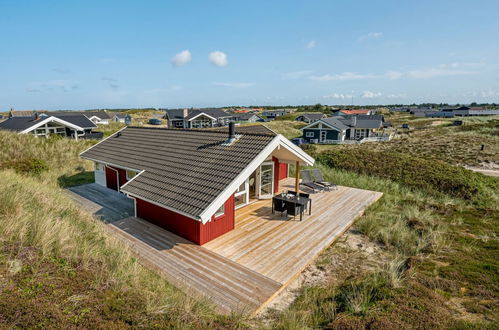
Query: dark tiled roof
[[89, 114], [313, 116], [335, 122], [22, 123], [178, 114], [185, 170], [215, 113], [362, 121]]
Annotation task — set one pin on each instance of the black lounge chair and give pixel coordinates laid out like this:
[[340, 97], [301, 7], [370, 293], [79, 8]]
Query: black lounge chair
[[279, 206], [294, 209], [319, 179], [306, 180]]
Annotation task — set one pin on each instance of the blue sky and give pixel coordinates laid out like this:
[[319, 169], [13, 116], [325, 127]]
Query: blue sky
[[111, 54]]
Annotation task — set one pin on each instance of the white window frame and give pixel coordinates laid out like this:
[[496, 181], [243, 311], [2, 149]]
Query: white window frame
[[220, 212], [130, 177], [310, 134]]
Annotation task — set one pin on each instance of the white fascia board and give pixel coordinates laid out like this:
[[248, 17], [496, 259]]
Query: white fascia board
[[324, 123], [110, 136], [202, 113], [232, 187], [51, 119], [297, 151], [123, 186]]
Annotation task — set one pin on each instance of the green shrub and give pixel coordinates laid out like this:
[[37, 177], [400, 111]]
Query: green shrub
[[432, 176], [30, 165]]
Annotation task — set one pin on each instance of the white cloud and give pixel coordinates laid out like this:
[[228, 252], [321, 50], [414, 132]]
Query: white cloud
[[370, 95], [396, 96], [311, 44], [343, 76], [371, 35], [181, 58], [393, 75], [218, 58], [338, 96], [234, 84], [297, 74]]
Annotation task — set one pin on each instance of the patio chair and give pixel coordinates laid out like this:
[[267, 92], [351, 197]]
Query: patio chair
[[279, 206], [306, 180], [294, 209], [319, 179], [292, 192]]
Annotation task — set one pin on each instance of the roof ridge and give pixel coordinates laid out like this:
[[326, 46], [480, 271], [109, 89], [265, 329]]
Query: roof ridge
[[213, 130]]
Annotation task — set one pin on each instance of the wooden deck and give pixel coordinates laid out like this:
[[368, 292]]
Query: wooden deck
[[281, 249], [231, 286], [243, 270]]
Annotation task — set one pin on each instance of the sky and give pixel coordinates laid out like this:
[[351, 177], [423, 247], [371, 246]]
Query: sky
[[168, 54]]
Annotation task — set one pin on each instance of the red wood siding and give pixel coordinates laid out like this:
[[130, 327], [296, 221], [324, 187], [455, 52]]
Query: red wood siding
[[193, 230], [111, 179], [280, 172], [218, 226], [122, 176], [169, 220]]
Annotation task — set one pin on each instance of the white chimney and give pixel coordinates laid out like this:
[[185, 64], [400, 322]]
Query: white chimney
[[185, 113]]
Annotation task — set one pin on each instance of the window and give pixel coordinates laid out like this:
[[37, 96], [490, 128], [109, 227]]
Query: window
[[309, 134], [130, 174], [179, 123], [220, 211]]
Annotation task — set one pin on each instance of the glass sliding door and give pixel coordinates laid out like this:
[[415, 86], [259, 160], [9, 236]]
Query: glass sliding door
[[266, 180]]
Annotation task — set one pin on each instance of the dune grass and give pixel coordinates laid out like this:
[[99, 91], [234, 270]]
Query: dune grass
[[58, 265]]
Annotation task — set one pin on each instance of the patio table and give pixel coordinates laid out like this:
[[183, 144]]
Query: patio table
[[299, 200]]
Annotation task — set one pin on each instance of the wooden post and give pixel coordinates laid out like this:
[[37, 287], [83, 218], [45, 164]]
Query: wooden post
[[297, 178]]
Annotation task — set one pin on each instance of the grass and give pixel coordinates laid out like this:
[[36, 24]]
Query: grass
[[457, 145], [60, 268]]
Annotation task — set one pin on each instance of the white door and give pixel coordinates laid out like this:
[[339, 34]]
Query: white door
[[323, 136], [265, 179], [100, 174]]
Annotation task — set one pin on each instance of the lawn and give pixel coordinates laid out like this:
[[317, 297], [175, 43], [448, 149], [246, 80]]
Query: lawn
[[423, 256]]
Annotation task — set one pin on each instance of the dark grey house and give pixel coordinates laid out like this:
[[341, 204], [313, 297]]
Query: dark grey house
[[248, 118], [273, 114], [341, 129], [76, 126], [310, 117], [197, 118]]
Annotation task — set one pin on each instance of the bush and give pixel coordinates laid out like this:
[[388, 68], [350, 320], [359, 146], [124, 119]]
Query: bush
[[432, 176], [33, 166]]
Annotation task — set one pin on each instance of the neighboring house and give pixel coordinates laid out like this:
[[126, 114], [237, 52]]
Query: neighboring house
[[347, 112], [440, 114], [190, 182], [77, 126], [197, 118], [97, 117], [421, 112], [473, 111], [248, 118], [273, 114], [342, 129], [310, 117], [122, 118], [24, 113]]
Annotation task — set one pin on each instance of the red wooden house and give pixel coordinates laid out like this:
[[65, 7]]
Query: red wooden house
[[190, 182]]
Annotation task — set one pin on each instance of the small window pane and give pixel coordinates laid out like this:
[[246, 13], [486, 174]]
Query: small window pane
[[220, 211]]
